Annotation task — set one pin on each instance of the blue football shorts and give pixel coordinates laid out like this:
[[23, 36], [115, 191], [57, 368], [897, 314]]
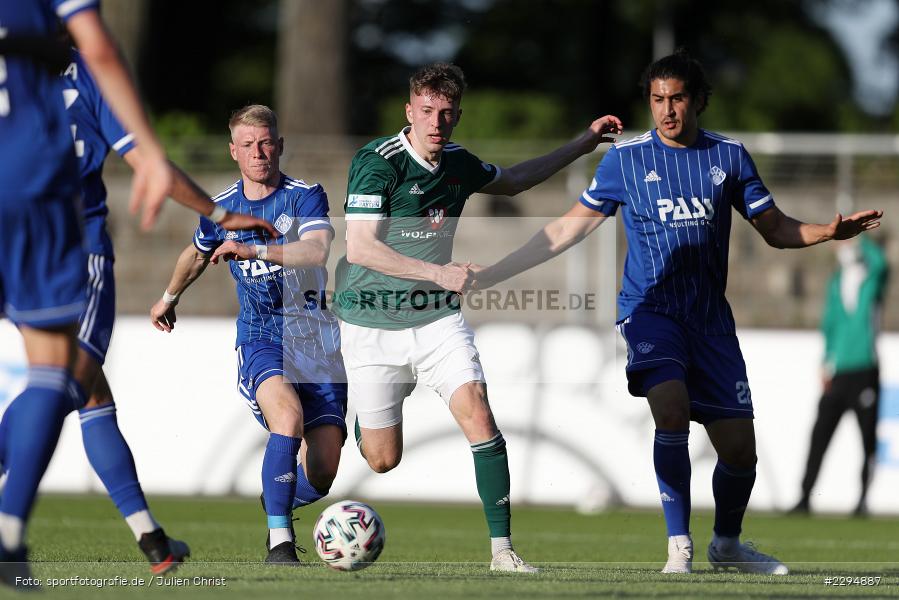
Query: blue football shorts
[[661, 348], [98, 318], [320, 384], [43, 282]]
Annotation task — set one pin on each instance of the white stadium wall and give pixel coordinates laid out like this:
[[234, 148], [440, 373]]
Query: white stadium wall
[[575, 436]]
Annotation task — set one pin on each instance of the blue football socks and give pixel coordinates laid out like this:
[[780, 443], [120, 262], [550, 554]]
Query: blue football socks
[[279, 478], [111, 458], [306, 493], [33, 422], [671, 457]]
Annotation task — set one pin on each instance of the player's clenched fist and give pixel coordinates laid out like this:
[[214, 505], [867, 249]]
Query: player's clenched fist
[[455, 277]]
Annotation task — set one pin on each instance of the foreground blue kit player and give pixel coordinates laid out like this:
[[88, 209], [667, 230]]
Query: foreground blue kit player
[[96, 131], [675, 186], [42, 289], [290, 371]]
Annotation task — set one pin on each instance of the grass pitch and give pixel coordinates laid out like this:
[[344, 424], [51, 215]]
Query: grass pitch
[[440, 552]]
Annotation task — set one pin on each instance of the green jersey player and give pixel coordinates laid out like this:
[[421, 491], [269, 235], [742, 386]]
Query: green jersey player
[[396, 287]]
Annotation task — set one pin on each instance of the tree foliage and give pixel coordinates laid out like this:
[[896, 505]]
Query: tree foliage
[[541, 67]]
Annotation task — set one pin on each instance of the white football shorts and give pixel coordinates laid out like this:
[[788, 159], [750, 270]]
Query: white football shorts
[[383, 366]]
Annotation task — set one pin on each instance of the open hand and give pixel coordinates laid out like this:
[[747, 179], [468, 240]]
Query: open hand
[[844, 228], [600, 130]]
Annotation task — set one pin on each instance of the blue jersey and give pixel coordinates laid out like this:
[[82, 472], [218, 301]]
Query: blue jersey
[[278, 304], [96, 131], [676, 208], [35, 143]]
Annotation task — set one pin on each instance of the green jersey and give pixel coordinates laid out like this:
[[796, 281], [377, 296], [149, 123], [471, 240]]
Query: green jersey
[[420, 205], [850, 333]]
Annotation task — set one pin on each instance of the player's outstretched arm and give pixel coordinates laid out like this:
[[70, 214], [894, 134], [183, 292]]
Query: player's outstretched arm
[[365, 249], [153, 182], [554, 239], [311, 250], [782, 231], [529, 173], [187, 192], [190, 265]]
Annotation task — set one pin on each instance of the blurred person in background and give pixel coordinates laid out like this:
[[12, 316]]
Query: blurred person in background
[[851, 372]]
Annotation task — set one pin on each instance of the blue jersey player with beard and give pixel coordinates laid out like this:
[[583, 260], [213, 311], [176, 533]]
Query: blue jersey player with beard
[[290, 371], [675, 187]]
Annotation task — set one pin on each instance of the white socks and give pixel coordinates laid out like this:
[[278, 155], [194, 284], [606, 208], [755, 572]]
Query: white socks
[[279, 536], [500, 543], [12, 530], [682, 541], [141, 522]]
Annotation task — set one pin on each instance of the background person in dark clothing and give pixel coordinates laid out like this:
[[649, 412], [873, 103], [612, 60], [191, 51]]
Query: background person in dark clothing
[[851, 376]]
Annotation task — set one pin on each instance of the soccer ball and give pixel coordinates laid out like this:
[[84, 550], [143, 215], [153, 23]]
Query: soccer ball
[[349, 535]]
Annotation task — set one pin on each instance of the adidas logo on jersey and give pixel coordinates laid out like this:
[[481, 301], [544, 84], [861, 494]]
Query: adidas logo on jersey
[[415, 190], [286, 478], [231, 235], [652, 177], [666, 498]]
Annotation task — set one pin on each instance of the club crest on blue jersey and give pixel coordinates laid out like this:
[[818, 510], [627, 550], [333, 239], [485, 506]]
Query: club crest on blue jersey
[[717, 175], [283, 223], [645, 347]]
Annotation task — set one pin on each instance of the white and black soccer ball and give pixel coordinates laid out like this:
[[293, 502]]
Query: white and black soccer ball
[[349, 535]]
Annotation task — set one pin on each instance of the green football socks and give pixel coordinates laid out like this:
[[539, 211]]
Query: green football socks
[[491, 468]]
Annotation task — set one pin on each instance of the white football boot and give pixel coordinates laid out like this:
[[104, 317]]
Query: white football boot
[[746, 559], [509, 562], [680, 555]]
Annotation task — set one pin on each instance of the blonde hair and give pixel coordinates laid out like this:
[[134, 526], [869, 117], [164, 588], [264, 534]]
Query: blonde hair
[[254, 115]]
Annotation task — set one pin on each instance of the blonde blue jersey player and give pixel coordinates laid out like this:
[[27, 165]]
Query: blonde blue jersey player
[[290, 371]]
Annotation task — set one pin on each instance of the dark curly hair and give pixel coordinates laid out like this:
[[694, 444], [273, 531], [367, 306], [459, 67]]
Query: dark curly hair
[[679, 65], [441, 79]]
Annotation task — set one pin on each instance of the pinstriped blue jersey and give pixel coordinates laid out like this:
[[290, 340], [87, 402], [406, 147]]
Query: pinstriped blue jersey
[[96, 131], [36, 155], [278, 304], [676, 205]]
